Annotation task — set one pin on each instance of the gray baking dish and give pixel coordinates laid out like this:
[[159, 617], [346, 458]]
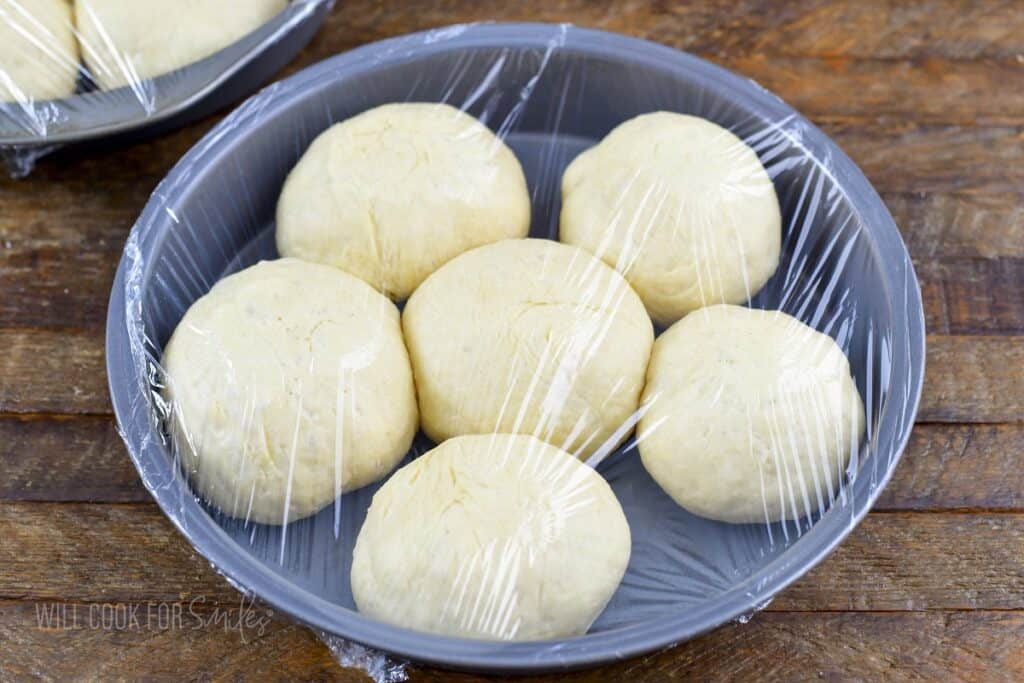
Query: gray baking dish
[[163, 103], [550, 91]]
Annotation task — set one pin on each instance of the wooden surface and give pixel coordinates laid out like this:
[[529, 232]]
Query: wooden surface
[[927, 98]]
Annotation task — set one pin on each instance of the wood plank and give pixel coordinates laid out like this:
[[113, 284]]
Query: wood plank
[[973, 379], [911, 158], [61, 240], [165, 642], [959, 466], [955, 29], [59, 247], [42, 224], [58, 289], [55, 278], [959, 225], [102, 553], [61, 237], [53, 206], [969, 378], [931, 91], [972, 296], [132, 553], [82, 459], [65, 458], [817, 80], [906, 561], [772, 646], [959, 29], [52, 371], [834, 647]]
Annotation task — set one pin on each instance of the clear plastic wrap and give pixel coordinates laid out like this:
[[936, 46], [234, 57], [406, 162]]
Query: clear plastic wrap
[[486, 551], [73, 71]]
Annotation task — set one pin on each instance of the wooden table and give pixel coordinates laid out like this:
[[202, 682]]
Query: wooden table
[[927, 99]]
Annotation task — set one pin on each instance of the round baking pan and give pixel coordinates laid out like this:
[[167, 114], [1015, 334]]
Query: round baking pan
[[550, 91], [167, 101]]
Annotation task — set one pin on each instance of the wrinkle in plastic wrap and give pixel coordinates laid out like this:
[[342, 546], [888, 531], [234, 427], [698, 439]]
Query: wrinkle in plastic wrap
[[549, 93], [72, 71]]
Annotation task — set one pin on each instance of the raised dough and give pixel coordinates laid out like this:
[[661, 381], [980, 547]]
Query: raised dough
[[290, 384], [528, 337], [499, 537], [38, 50], [393, 193], [753, 415], [126, 41], [681, 207]]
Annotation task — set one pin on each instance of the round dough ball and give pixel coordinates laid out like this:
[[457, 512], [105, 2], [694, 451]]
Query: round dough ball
[[752, 415], [126, 41], [392, 194], [528, 337], [498, 536], [681, 207], [38, 50], [289, 384]]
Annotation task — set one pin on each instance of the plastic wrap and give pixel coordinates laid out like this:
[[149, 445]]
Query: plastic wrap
[[545, 340], [73, 71]]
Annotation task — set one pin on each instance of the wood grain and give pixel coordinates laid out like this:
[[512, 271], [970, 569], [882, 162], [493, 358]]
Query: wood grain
[[58, 289], [159, 643], [907, 157], [101, 553], [783, 50], [968, 378], [130, 552], [913, 566], [833, 646], [972, 296], [872, 29], [948, 467], [973, 379], [66, 458], [937, 226], [56, 277], [82, 459], [932, 90], [828, 646], [52, 371], [957, 29]]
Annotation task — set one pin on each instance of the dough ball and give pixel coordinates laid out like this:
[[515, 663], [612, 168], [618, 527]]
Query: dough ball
[[38, 50], [126, 41], [290, 384], [498, 536], [753, 415], [392, 194], [681, 207], [528, 337]]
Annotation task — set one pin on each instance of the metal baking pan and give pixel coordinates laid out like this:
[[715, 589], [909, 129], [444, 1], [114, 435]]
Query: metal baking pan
[[550, 91], [165, 102]]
